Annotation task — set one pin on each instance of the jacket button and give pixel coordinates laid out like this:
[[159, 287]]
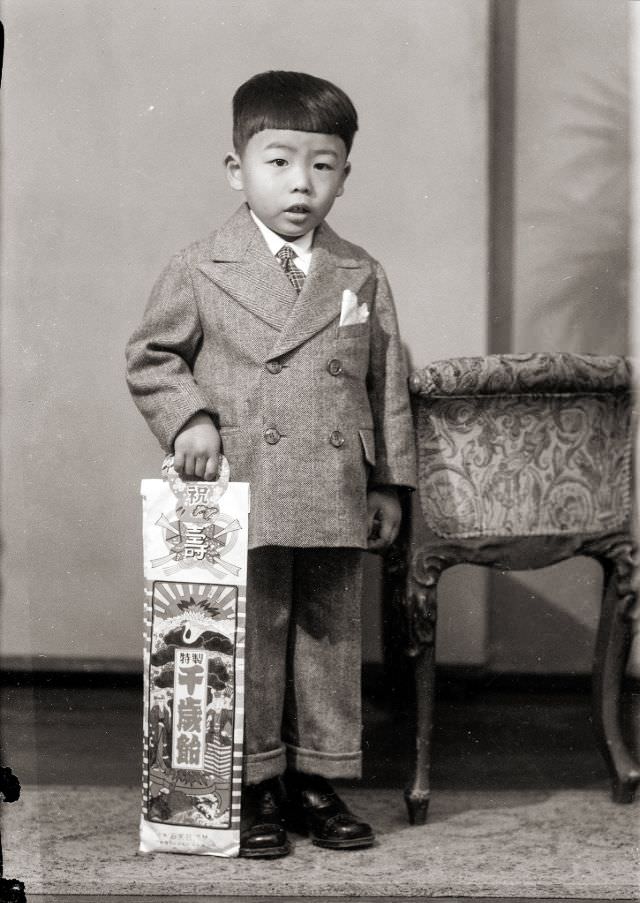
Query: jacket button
[[272, 436], [334, 367], [274, 366], [336, 439]]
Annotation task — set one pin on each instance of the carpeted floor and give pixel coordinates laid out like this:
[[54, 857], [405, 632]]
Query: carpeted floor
[[520, 807], [560, 843]]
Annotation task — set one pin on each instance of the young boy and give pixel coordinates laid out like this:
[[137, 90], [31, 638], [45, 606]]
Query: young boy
[[276, 341]]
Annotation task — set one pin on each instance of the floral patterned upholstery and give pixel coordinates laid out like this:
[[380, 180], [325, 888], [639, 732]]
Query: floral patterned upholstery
[[513, 374], [524, 445]]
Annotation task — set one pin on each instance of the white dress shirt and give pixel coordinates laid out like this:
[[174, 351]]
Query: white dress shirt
[[301, 246]]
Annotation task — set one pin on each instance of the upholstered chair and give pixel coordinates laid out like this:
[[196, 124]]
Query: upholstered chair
[[524, 460]]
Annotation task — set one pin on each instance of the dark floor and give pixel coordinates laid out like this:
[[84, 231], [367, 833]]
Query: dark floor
[[501, 732]]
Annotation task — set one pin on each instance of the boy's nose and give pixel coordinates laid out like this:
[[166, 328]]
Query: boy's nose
[[302, 182]]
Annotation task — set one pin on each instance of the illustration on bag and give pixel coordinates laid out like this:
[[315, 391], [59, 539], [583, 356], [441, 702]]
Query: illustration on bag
[[191, 704], [195, 570], [197, 530]]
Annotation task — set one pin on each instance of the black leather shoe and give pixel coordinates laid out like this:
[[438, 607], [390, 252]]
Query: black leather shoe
[[262, 832], [313, 807]]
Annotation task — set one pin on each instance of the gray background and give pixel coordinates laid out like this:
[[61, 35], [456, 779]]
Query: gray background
[[116, 118]]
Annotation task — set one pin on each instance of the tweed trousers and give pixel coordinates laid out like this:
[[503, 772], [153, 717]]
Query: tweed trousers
[[303, 662]]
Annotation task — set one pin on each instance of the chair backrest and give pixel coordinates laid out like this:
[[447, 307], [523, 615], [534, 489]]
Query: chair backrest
[[524, 444]]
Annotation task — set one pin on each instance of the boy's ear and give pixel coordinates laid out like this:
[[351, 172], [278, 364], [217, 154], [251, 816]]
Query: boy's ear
[[233, 167], [346, 171]]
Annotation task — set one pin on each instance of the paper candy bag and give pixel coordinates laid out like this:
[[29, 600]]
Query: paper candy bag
[[195, 568]]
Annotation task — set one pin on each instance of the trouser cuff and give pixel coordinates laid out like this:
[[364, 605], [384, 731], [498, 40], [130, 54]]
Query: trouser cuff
[[261, 766], [328, 765]]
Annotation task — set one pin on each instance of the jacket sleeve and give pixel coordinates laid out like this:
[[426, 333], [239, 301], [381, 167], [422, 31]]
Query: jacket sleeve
[[161, 352], [389, 394]]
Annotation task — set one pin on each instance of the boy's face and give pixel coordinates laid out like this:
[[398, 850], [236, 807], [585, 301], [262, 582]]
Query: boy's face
[[290, 179]]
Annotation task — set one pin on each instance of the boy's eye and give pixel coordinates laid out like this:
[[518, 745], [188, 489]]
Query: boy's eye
[[278, 162], [323, 166]]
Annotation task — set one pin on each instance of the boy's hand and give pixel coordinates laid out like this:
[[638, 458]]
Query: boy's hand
[[384, 516], [196, 449]]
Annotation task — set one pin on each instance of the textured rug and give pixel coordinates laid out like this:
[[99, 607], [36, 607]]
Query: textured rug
[[575, 844]]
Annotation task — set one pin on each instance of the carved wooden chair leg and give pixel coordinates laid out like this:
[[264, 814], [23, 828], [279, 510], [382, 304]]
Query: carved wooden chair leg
[[612, 650], [418, 794], [424, 575]]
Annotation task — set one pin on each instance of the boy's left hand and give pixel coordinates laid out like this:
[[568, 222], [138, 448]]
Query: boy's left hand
[[384, 514]]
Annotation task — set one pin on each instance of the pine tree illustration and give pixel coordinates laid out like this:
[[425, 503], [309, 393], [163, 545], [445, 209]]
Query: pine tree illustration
[[199, 607]]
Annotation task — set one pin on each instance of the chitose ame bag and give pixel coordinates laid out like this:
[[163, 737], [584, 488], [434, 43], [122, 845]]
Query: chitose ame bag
[[195, 568]]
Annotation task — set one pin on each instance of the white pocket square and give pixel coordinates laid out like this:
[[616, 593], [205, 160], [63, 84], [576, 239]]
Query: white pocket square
[[352, 313]]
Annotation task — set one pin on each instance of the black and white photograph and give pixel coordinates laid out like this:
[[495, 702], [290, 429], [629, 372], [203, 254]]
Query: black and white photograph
[[318, 450]]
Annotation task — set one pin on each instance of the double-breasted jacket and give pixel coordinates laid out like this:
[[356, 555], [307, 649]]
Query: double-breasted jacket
[[310, 411]]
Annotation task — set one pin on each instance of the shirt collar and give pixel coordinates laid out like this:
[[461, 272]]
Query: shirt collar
[[301, 246]]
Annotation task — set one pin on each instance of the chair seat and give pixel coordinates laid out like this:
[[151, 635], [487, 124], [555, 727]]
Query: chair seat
[[502, 451]]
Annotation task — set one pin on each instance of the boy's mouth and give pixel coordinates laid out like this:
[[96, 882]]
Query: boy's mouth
[[297, 208]]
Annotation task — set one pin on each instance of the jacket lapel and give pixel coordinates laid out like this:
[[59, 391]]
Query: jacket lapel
[[333, 269], [242, 265]]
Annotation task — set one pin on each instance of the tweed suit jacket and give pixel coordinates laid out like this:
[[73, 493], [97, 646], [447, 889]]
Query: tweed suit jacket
[[309, 412]]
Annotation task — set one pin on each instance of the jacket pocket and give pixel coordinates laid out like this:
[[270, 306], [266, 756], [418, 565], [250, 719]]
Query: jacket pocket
[[368, 446]]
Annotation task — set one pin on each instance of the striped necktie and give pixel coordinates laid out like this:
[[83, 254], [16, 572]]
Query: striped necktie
[[286, 255]]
